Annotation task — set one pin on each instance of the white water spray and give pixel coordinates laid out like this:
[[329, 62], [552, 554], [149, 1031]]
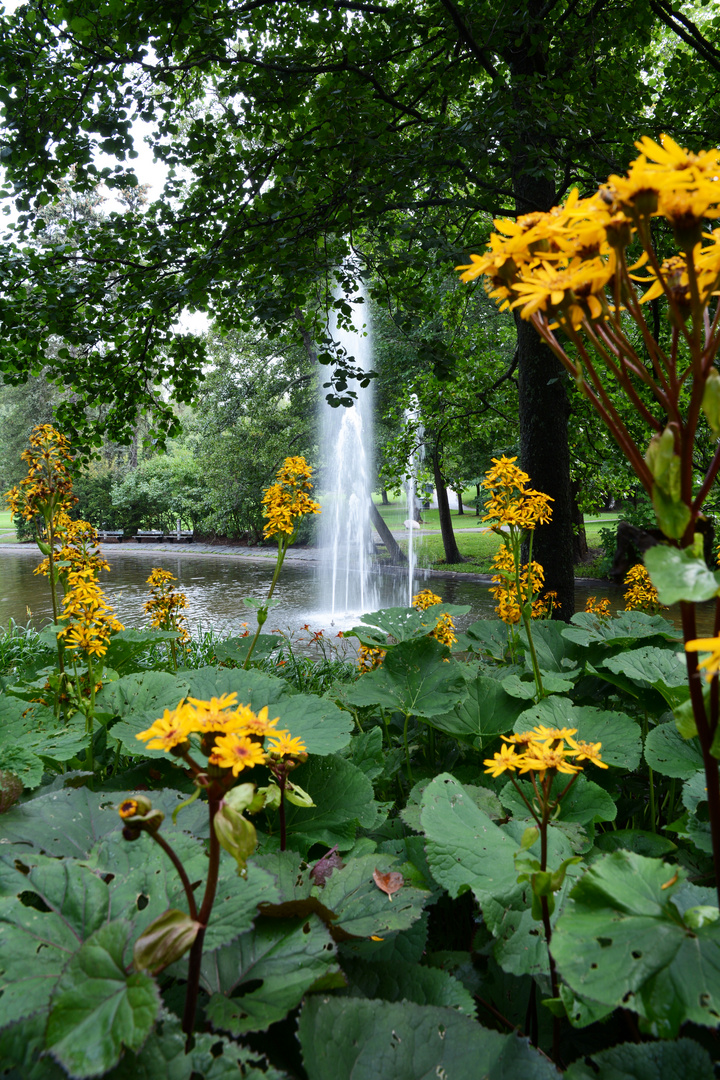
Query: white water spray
[[411, 523], [346, 439]]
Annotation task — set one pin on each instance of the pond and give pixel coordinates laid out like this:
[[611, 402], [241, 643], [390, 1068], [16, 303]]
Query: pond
[[216, 584]]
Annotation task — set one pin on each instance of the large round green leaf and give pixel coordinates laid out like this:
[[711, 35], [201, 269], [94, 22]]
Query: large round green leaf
[[354, 1039], [414, 679], [621, 942], [344, 800], [284, 956], [680, 575], [618, 734], [668, 753], [98, 1009], [486, 712]]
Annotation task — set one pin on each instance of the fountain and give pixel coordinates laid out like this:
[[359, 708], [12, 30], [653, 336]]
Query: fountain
[[345, 535]]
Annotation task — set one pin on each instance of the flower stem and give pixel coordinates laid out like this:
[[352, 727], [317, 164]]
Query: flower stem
[[195, 959]]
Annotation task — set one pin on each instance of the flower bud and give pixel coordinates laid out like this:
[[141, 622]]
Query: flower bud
[[164, 941], [235, 834], [711, 401]]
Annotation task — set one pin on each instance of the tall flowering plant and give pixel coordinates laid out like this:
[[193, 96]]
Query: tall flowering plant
[[166, 606], [284, 503], [582, 274], [514, 511], [218, 741], [43, 498]]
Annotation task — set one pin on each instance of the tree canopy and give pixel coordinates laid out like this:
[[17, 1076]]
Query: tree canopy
[[294, 134]]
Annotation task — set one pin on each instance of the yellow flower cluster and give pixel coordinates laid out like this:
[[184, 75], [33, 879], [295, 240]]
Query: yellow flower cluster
[[232, 736], [444, 631], [641, 594], [287, 500], [543, 749], [505, 590], [599, 608], [48, 486], [369, 659], [425, 599], [512, 502], [79, 546], [566, 264], [165, 605], [91, 620]]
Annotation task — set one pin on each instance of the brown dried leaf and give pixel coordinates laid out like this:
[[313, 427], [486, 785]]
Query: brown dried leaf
[[390, 882]]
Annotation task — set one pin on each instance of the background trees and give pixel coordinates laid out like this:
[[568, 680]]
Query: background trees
[[392, 130]]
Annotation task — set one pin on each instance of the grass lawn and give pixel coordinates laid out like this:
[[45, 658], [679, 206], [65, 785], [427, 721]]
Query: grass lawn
[[6, 526], [479, 547]]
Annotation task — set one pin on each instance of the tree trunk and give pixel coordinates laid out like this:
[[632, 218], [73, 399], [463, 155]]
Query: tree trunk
[[460, 505], [452, 553], [477, 501], [384, 495], [543, 411], [580, 544], [394, 549], [542, 402]]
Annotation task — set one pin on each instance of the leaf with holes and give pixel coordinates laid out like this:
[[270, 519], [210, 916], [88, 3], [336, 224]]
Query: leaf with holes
[[264, 974], [669, 754], [621, 942], [97, 1009], [361, 908], [355, 1039]]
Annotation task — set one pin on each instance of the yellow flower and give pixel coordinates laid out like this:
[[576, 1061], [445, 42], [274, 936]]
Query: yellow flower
[[369, 659], [287, 500], [539, 757], [587, 752], [641, 594], [711, 663], [237, 752], [166, 604], [170, 730], [425, 599], [599, 608], [283, 744], [507, 758], [127, 808]]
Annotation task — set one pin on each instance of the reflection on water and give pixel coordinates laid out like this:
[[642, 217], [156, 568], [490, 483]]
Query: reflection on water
[[215, 587]]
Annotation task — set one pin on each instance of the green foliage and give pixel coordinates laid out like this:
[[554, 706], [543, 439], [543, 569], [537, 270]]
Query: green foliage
[[398, 917]]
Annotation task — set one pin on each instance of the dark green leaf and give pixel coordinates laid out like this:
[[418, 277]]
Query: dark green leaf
[[622, 942], [286, 956], [681, 1060], [344, 1038], [97, 1010], [618, 734], [668, 753], [486, 712], [413, 678]]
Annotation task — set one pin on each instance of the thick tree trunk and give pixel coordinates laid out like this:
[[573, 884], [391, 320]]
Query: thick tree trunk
[[460, 505], [394, 549], [544, 453], [580, 544], [452, 552], [384, 496]]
